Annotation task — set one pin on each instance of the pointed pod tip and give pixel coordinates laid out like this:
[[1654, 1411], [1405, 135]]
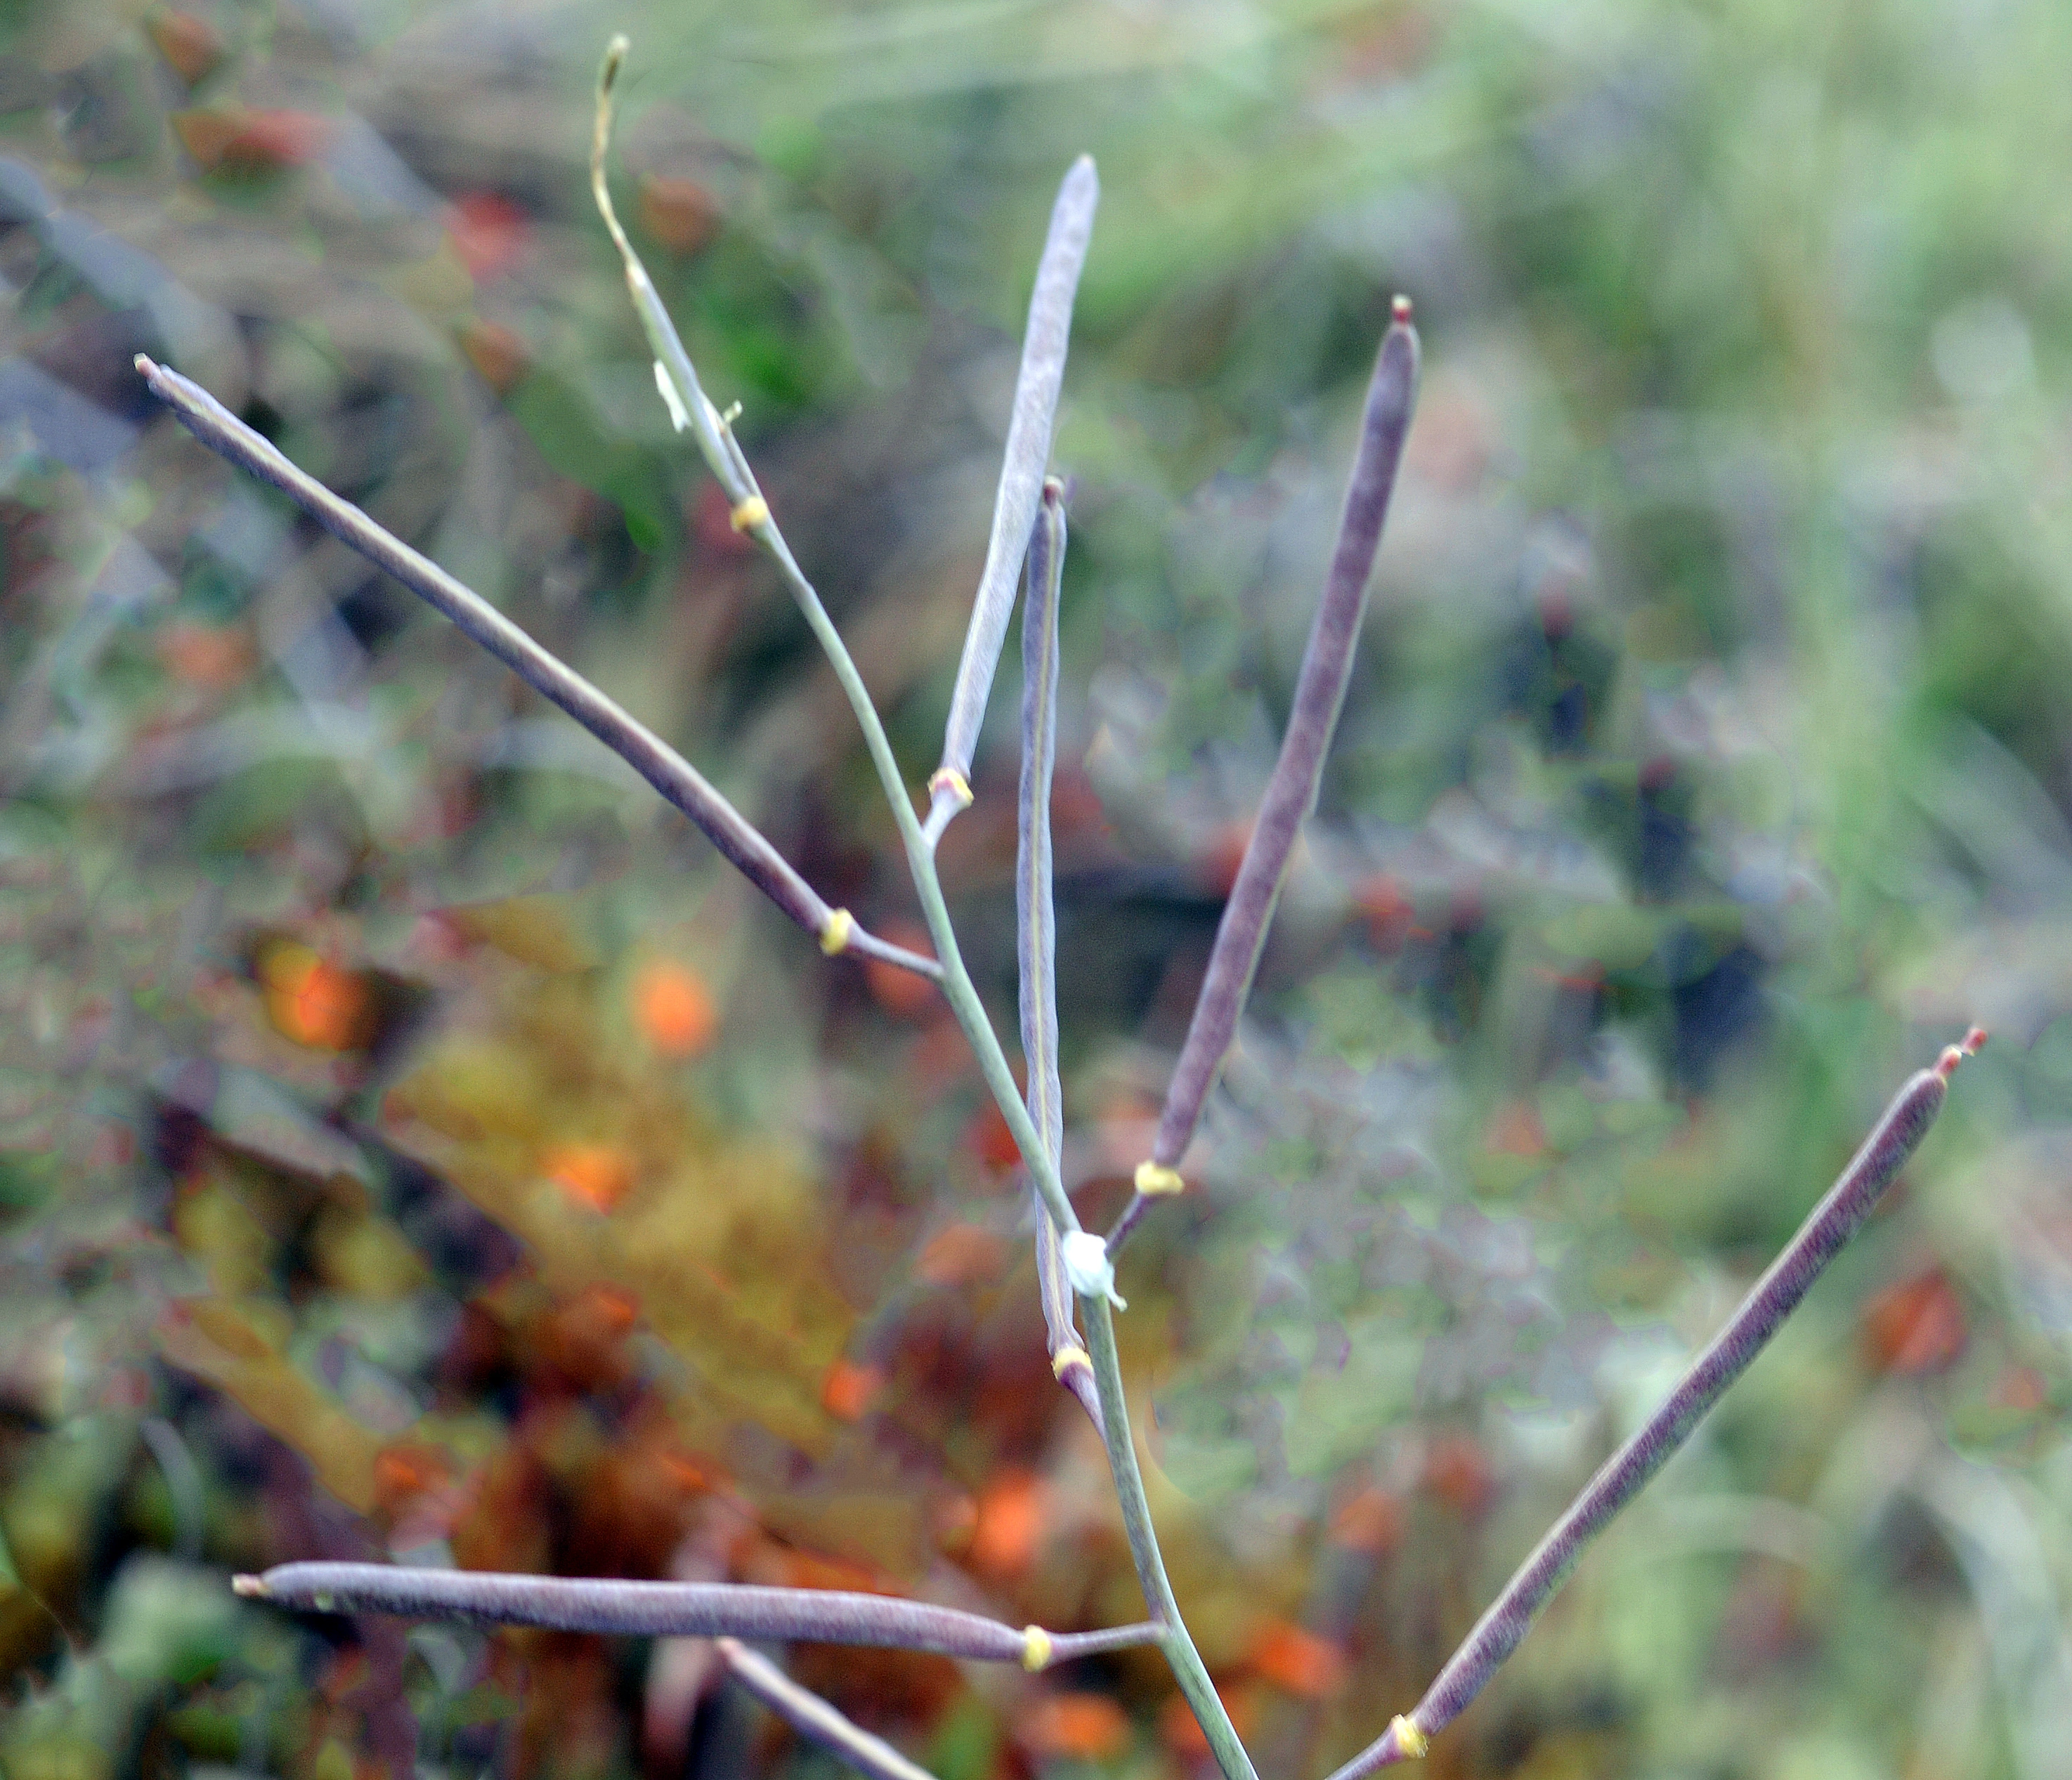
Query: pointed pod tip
[[144, 366], [1400, 311], [1946, 1065], [614, 58], [253, 1587]]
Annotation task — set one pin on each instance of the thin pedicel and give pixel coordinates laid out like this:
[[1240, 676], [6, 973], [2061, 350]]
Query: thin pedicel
[[1291, 793], [1622, 1476]]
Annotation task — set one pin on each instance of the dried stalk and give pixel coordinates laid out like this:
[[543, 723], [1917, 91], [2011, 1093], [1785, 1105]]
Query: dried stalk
[[638, 746], [806, 1712], [1028, 453], [1628, 1471], [1291, 793]]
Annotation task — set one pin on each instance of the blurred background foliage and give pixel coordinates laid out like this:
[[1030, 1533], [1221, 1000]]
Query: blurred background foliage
[[413, 1142]]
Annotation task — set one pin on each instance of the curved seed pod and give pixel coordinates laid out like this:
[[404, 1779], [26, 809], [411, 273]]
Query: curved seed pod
[[671, 1609], [638, 746], [1291, 793], [1622, 1476], [1036, 922], [1028, 451]]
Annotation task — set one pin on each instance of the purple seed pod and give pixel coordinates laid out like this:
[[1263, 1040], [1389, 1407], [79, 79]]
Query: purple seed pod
[[638, 746], [1622, 1476], [1291, 793], [674, 1610], [1036, 925], [1021, 469]]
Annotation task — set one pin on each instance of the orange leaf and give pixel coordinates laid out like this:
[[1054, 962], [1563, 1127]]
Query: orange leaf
[[679, 213], [1089, 1727], [312, 1000], [489, 232], [190, 45], [597, 1175], [497, 353], [1915, 1326], [1371, 1521], [849, 1389], [1012, 1510], [962, 1254], [674, 1009], [1298, 1660], [250, 142]]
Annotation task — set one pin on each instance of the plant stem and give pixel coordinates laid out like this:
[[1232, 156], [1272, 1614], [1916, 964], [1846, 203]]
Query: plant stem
[[1622, 1476], [1188, 1669]]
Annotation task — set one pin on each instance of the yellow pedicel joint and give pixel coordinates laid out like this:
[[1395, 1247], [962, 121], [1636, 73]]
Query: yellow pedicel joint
[[1035, 1648], [1087, 1266], [948, 778], [1066, 1357], [749, 514], [1409, 1739], [680, 417], [834, 936], [1153, 1179], [732, 413]]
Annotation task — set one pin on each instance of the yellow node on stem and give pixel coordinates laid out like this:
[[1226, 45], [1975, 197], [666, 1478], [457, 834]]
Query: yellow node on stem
[[1066, 1357], [1153, 1179], [750, 514], [948, 778], [1409, 1739], [834, 936], [1035, 1648]]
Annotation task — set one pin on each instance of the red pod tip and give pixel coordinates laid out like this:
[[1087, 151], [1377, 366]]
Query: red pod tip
[[1400, 311], [1946, 1065]]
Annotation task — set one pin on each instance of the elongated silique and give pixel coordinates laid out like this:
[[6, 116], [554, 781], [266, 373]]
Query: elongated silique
[[1291, 792], [1622, 1476]]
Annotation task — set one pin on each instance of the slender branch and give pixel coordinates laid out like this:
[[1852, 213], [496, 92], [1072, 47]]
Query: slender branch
[[1036, 926], [638, 746], [807, 1712], [1291, 793], [1188, 1668], [676, 1610], [1023, 464], [753, 517], [1622, 1476]]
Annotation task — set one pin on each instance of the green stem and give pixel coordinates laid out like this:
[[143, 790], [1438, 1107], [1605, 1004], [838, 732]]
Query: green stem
[[1178, 1644], [957, 985]]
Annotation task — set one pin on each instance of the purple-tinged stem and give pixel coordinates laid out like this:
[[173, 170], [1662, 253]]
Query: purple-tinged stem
[[1036, 926], [1028, 452], [806, 1712], [1628, 1471], [1291, 793], [638, 746], [675, 1609]]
